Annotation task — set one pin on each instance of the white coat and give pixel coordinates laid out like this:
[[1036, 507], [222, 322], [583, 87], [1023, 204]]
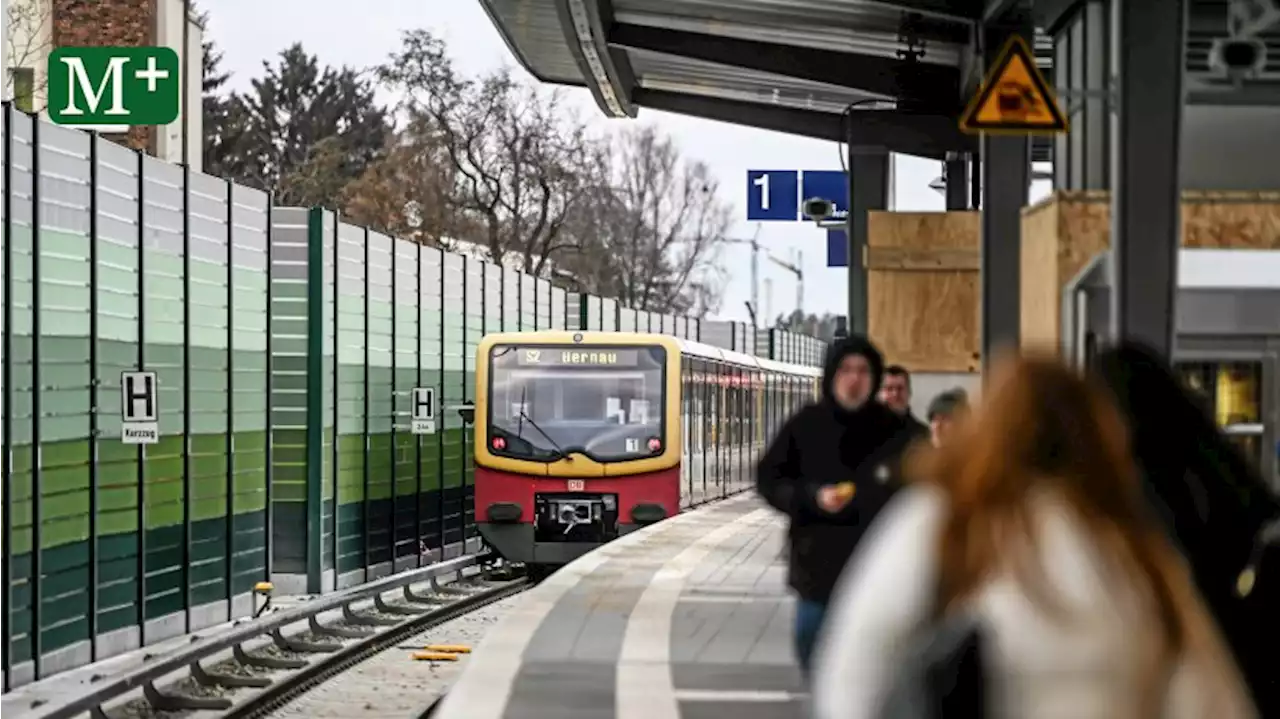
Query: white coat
[[1039, 665]]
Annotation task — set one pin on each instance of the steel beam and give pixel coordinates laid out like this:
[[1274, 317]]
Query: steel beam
[[953, 10], [994, 11], [1148, 47], [868, 192], [920, 134], [1082, 74], [1006, 181], [1205, 17], [975, 181], [583, 30], [956, 175], [920, 82]]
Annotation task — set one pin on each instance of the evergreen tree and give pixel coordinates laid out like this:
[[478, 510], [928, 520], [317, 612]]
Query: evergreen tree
[[305, 131], [223, 118]]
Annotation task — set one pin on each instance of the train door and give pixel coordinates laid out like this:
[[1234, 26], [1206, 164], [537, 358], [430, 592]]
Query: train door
[[731, 429], [733, 399], [702, 430], [726, 425], [755, 422], [688, 431], [770, 408], [715, 430], [744, 421], [1241, 396]]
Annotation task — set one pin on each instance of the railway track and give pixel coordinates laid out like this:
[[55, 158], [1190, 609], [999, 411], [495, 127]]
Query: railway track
[[260, 665]]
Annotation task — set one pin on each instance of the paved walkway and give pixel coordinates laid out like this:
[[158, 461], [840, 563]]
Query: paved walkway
[[684, 620]]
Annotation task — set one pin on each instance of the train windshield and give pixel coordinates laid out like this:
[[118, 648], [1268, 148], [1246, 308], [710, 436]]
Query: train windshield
[[602, 402]]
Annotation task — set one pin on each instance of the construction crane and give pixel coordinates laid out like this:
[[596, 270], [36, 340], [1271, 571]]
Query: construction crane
[[794, 268], [753, 307]]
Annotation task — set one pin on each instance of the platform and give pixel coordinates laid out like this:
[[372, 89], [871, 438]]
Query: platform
[[687, 619]]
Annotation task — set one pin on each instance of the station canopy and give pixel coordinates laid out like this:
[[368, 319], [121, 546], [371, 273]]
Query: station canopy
[[882, 74]]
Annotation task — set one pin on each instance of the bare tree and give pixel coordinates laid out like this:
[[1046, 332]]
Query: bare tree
[[514, 156], [28, 41], [408, 193], [659, 223]]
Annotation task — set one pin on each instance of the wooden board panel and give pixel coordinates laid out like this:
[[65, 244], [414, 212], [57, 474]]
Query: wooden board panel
[[1039, 317], [909, 259], [923, 289], [1080, 228]]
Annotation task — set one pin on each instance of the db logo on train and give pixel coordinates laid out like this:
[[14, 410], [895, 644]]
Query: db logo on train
[[576, 485]]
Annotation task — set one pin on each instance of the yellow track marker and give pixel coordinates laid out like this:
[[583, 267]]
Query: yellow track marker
[[448, 648], [434, 657]]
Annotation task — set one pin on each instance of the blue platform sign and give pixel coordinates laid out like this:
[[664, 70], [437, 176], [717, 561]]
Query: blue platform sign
[[837, 248], [830, 185], [773, 195]]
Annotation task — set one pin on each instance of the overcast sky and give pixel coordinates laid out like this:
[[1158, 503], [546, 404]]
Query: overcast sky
[[362, 34]]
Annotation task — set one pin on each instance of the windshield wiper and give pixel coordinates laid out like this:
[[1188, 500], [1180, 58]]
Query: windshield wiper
[[524, 417], [524, 390]]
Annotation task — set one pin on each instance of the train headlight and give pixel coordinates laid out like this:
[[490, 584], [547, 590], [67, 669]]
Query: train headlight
[[499, 443], [655, 444]]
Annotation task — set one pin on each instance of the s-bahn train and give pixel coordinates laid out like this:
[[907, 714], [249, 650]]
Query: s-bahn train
[[584, 436]]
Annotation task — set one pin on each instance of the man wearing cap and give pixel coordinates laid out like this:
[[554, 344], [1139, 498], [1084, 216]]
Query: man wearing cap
[[945, 411]]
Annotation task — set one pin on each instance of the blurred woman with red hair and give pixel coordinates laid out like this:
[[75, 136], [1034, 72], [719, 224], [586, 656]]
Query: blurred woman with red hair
[[1034, 523]]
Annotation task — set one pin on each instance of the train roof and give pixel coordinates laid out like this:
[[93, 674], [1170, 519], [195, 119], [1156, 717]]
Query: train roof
[[688, 347]]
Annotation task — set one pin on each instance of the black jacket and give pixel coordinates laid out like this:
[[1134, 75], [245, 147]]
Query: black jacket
[[915, 426], [1212, 502], [825, 445]]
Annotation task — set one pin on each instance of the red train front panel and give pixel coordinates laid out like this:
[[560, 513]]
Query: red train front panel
[[577, 441]]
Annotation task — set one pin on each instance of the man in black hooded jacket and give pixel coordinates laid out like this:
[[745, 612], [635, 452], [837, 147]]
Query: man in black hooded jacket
[[831, 469]]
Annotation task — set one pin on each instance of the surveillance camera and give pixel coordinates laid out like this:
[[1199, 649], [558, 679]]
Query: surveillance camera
[[1238, 58], [1247, 18], [818, 209], [467, 412]]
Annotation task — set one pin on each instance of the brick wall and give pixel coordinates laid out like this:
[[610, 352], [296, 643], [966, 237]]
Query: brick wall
[[122, 23]]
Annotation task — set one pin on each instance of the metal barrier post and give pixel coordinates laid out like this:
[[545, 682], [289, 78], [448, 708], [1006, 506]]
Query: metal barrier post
[[187, 533], [141, 491], [315, 405], [6, 417], [37, 410], [366, 522], [229, 574], [269, 523], [442, 428], [94, 400]]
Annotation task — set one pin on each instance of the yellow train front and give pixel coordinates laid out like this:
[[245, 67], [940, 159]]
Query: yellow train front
[[582, 437]]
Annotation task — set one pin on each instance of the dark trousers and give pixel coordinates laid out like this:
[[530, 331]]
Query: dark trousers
[[809, 617]]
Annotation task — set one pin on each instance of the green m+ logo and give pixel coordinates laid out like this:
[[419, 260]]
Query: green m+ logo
[[93, 86]]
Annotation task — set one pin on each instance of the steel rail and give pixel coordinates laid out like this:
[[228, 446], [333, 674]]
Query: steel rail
[[428, 612], [295, 684]]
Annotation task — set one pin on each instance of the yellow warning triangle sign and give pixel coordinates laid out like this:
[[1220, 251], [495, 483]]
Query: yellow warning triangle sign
[[1014, 98]]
